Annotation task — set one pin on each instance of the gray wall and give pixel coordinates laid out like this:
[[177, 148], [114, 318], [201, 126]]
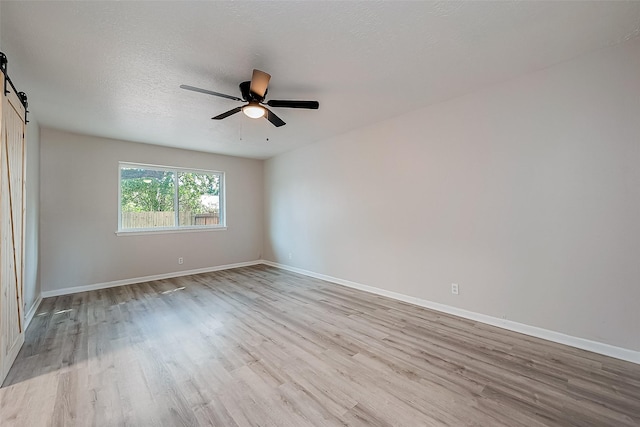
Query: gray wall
[[31, 274], [526, 194], [79, 213]]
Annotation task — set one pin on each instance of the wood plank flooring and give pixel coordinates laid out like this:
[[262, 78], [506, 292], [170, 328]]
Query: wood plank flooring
[[259, 346]]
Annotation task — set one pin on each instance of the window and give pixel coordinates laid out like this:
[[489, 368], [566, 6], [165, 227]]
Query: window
[[164, 198]]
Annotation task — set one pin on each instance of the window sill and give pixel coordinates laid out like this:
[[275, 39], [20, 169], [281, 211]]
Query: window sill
[[168, 231]]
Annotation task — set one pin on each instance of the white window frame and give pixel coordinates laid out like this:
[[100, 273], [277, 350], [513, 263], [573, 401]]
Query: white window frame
[[178, 229]]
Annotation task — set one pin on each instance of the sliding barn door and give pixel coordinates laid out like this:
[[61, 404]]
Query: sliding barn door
[[12, 210]]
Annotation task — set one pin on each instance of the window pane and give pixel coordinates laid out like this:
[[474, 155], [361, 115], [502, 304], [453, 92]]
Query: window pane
[[147, 198], [199, 199]]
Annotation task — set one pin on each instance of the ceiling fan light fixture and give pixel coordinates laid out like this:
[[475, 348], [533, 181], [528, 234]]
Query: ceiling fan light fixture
[[253, 110]]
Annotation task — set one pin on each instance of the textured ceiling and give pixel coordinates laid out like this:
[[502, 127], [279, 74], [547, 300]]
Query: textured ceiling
[[114, 69]]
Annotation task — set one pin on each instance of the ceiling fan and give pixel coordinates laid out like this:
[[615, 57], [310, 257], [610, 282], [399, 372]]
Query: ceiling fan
[[253, 92]]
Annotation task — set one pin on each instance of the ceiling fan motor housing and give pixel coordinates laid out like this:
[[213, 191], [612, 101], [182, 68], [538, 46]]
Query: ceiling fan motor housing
[[247, 95]]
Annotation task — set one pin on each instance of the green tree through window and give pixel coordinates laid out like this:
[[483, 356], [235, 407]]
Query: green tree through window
[[191, 189], [145, 190]]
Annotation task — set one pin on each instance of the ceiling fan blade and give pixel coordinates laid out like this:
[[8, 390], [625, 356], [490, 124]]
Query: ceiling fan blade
[[259, 82], [209, 92], [311, 105], [275, 120], [227, 114]]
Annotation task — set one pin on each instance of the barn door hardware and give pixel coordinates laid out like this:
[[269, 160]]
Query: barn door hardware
[[4, 65]]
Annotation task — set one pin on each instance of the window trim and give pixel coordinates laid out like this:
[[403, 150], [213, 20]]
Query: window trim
[[176, 229]]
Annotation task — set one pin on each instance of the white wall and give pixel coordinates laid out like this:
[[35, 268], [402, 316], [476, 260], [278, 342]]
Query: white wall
[[31, 274], [526, 194], [79, 206]]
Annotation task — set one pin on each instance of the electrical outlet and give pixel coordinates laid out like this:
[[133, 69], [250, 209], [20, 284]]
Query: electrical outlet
[[290, 255], [180, 260], [454, 288]]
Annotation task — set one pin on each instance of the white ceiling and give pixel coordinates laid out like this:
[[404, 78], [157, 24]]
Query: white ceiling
[[113, 69]]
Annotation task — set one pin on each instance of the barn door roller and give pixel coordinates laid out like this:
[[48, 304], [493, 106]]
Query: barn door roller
[[4, 65]]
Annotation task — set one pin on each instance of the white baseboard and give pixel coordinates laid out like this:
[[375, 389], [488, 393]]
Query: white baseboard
[[32, 311], [557, 337], [134, 280], [553, 336]]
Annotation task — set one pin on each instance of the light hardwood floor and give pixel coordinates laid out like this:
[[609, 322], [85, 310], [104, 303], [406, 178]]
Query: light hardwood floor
[[259, 346]]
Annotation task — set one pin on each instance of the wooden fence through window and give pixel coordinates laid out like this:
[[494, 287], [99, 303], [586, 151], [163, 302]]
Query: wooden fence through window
[[167, 219]]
